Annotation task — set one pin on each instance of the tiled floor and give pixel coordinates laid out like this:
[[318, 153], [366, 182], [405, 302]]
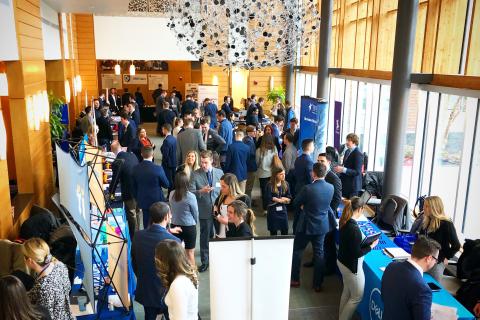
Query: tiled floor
[[305, 304]]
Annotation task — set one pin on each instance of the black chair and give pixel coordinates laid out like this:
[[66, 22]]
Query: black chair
[[393, 215]]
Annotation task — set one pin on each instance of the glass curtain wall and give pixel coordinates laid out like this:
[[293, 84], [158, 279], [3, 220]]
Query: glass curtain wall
[[441, 146]]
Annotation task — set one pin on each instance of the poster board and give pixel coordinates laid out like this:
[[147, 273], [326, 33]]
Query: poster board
[[155, 79], [207, 91], [117, 256], [110, 80], [97, 197], [263, 294], [192, 89], [135, 79]]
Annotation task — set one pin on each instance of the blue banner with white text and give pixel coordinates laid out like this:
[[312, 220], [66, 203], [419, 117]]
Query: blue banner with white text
[[313, 122]]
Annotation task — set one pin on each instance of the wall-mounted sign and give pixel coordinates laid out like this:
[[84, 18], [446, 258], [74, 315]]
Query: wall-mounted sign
[[136, 79], [155, 79], [110, 80]]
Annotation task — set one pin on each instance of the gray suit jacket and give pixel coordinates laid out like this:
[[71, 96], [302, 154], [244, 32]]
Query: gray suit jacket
[[198, 180], [188, 140]]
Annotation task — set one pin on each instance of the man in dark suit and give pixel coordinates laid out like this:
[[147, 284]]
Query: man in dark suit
[[303, 166], [237, 158], [122, 171], [211, 137], [188, 140], [330, 246], [150, 292], [351, 171], [169, 154], [174, 103], [205, 184], [178, 94], [125, 97], [225, 130], [188, 105], [210, 109], [314, 200], [226, 105], [105, 134], [159, 103], [126, 132], [148, 181], [113, 101], [250, 140], [405, 294], [165, 115], [261, 114], [156, 93]]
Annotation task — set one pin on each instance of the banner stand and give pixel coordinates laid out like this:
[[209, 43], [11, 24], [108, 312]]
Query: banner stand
[[102, 216]]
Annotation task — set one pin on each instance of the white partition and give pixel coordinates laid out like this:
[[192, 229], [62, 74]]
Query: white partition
[[240, 290], [51, 33], [8, 34]]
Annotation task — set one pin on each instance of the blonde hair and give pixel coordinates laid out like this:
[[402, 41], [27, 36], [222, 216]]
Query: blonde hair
[[37, 250], [436, 214], [232, 182], [171, 261], [187, 168]]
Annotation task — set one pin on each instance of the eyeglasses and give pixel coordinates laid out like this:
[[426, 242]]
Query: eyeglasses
[[436, 259]]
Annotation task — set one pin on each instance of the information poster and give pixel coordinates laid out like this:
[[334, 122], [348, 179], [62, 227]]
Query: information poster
[[158, 78], [192, 89], [110, 80], [208, 91], [337, 118], [313, 122], [136, 79]]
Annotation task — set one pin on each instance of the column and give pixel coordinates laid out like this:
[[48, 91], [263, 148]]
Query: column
[[324, 48], [399, 94]]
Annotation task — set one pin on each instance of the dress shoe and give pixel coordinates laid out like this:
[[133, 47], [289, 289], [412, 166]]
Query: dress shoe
[[308, 264], [295, 284], [318, 289], [203, 267]]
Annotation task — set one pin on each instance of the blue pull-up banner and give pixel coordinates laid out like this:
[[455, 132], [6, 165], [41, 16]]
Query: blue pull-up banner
[[313, 122]]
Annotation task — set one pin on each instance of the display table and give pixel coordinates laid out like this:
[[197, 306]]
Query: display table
[[103, 311], [371, 306]]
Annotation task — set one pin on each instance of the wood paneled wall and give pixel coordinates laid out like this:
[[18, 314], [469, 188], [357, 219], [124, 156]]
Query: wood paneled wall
[[208, 75], [363, 35], [87, 60]]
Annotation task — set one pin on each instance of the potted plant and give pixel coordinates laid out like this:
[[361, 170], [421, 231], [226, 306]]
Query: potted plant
[[56, 127], [275, 93]]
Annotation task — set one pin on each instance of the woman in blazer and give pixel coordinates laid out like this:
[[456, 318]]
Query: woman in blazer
[[277, 194], [438, 226], [264, 157], [350, 258]]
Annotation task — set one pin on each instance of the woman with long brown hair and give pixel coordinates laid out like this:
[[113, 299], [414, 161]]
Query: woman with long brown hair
[[15, 305], [277, 193], [350, 258], [241, 219], [438, 226], [229, 192], [185, 214], [179, 278]]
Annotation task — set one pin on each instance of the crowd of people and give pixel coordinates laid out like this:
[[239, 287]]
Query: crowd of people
[[210, 161]]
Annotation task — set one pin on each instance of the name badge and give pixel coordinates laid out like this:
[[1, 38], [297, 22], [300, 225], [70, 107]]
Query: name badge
[[279, 208], [210, 137], [217, 185]]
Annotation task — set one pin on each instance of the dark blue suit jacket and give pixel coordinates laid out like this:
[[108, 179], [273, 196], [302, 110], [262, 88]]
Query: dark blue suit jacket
[[148, 180], [122, 171], [251, 162], [315, 198], [303, 171], [352, 179], [149, 290], [125, 137], [169, 152], [226, 132], [188, 105], [211, 111], [405, 294], [226, 108], [236, 161]]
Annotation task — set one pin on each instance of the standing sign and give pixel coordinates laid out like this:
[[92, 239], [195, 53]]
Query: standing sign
[[207, 91], [313, 122], [337, 120], [192, 90]]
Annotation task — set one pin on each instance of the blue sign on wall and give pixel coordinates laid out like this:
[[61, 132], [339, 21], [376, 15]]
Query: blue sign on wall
[[313, 122]]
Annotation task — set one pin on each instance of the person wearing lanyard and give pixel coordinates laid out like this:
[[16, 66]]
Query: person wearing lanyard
[[277, 193]]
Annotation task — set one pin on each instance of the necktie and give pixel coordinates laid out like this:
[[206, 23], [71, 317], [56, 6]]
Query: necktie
[[210, 178], [347, 153]]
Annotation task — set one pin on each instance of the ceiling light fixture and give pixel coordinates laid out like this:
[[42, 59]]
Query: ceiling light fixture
[[132, 69], [117, 69]]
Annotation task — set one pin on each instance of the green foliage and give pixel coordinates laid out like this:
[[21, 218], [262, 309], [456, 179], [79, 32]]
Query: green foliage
[[56, 126], [274, 93]]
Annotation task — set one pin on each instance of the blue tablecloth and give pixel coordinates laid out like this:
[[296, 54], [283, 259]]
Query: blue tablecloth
[[102, 306], [371, 306]]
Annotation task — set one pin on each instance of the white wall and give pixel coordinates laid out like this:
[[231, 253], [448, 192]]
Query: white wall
[[136, 38], [8, 35], [50, 32]]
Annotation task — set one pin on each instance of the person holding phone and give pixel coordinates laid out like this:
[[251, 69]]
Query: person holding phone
[[350, 258], [278, 196]]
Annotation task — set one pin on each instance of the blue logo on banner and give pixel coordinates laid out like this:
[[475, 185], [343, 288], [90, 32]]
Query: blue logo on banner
[[375, 305]]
